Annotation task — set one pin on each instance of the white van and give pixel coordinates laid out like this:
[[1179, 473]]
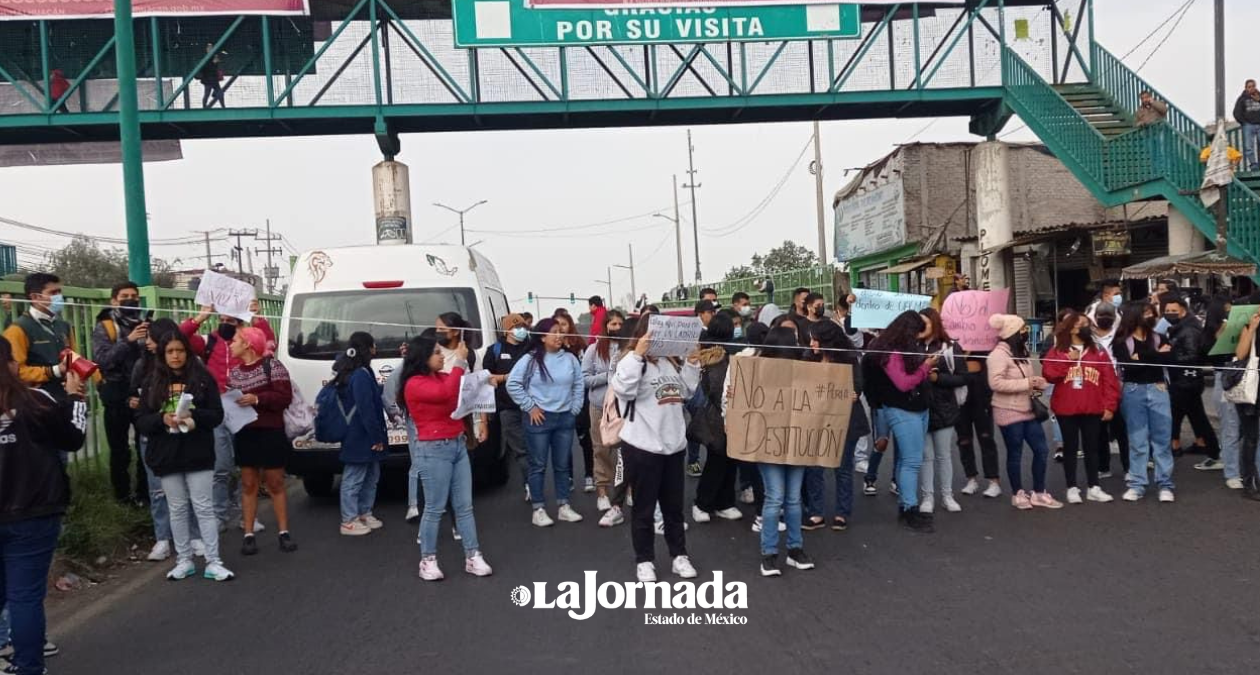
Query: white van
[[394, 293]]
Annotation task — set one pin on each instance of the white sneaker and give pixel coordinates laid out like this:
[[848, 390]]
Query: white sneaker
[[603, 503], [477, 566], [217, 572], [950, 504], [756, 526], [700, 516], [645, 572], [660, 527], [1167, 497], [413, 514], [162, 550], [926, 506], [731, 513], [568, 515], [429, 570], [612, 517], [589, 485], [527, 496], [455, 534], [182, 570], [355, 528], [541, 519], [994, 490], [746, 496], [683, 568], [371, 521], [1234, 484], [1096, 494], [199, 548], [1074, 496], [629, 499], [972, 487], [1132, 495]]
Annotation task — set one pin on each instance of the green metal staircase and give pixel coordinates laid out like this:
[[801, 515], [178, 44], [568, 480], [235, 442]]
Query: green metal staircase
[[1089, 127]]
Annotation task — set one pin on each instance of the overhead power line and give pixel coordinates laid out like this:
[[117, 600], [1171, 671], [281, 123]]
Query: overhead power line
[[748, 218], [179, 241]]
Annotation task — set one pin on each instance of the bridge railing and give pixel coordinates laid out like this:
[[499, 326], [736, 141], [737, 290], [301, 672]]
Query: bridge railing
[[374, 58], [819, 279]]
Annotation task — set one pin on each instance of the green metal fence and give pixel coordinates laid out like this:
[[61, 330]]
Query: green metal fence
[[819, 279], [82, 307]]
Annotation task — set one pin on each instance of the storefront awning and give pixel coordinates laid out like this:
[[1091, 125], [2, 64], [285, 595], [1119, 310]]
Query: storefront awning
[[1206, 262], [910, 265]]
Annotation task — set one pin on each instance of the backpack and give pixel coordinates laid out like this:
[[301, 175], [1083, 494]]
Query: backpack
[[613, 418], [299, 417], [332, 420]]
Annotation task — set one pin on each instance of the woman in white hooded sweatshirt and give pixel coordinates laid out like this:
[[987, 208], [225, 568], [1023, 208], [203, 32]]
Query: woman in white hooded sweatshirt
[[653, 437]]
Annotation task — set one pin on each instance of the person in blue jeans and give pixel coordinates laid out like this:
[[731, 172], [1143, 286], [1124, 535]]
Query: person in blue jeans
[[34, 495], [830, 344], [548, 386], [430, 397], [1247, 113], [1141, 354], [895, 378], [364, 445], [1229, 430]]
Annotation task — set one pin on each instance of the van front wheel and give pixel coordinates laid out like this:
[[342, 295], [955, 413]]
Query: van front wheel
[[318, 485]]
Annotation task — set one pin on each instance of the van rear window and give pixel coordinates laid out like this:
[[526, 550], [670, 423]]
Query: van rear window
[[321, 323]]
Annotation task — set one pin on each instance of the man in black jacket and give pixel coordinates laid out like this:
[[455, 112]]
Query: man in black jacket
[[501, 357], [1185, 335], [1247, 113], [117, 342]]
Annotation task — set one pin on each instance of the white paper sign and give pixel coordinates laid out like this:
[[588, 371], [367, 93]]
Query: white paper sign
[[235, 415], [476, 395], [673, 335], [228, 296]]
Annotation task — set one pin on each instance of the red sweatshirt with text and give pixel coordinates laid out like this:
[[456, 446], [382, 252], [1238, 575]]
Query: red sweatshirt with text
[[1100, 388]]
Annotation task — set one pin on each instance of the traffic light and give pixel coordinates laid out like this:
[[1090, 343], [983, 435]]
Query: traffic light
[[572, 298], [531, 296]]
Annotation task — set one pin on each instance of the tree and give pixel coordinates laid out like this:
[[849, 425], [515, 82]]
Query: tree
[[87, 265], [786, 258]]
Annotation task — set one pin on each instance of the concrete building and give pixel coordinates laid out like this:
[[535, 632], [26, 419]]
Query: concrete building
[[1008, 215]]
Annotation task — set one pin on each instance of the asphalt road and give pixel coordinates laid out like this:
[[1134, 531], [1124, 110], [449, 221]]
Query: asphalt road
[[1114, 588]]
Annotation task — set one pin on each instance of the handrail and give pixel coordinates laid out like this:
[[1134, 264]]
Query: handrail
[[1125, 88]]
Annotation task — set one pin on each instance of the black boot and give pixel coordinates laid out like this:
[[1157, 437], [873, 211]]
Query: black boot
[[914, 521]]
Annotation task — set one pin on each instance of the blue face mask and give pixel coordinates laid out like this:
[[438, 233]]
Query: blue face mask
[[1117, 300], [521, 334], [739, 332], [57, 304]]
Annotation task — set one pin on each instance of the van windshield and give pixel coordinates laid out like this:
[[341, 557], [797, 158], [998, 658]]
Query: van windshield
[[320, 324]]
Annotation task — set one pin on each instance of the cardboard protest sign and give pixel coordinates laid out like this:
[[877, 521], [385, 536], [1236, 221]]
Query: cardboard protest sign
[[788, 412], [965, 316], [476, 395], [228, 296], [673, 335], [877, 309], [1238, 318]]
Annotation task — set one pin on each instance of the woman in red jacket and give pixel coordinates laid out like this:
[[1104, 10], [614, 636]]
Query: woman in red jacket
[[430, 397], [1086, 395]]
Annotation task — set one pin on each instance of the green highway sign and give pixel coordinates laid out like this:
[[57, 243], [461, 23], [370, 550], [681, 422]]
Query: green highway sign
[[510, 23]]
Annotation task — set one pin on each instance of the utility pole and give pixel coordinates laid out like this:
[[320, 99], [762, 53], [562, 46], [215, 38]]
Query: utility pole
[[238, 250], [677, 221], [270, 273], [209, 253], [460, 213], [139, 265], [817, 169], [634, 293], [693, 186], [1220, 59]]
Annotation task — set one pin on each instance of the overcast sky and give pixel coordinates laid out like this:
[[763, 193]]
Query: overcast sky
[[317, 191]]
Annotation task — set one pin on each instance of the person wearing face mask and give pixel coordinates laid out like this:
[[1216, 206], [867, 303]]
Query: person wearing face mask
[[40, 336], [742, 304], [597, 364], [500, 359], [1186, 386], [118, 340], [1141, 355], [1109, 295], [216, 351], [816, 305]]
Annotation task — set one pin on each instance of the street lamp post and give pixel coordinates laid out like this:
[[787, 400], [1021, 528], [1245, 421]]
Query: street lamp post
[[460, 213]]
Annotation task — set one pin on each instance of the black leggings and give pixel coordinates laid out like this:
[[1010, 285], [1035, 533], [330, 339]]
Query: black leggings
[[1117, 431], [583, 432], [655, 478], [1078, 428], [976, 412], [1189, 403], [716, 490], [1249, 431]]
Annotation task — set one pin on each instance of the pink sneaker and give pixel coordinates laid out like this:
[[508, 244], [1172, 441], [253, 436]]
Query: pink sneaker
[[1021, 501], [429, 570], [1045, 501]]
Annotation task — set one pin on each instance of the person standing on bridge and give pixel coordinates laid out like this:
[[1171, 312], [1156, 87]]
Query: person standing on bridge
[[1247, 113], [653, 441], [211, 78], [179, 411], [430, 394], [547, 384]]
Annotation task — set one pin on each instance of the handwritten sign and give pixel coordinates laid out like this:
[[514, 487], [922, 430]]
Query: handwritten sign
[[476, 395], [1238, 318], [788, 412], [877, 309], [673, 335], [228, 296], [965, 316]]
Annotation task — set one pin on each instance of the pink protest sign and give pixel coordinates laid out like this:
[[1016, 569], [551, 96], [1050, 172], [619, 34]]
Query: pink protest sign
[[966, 317]]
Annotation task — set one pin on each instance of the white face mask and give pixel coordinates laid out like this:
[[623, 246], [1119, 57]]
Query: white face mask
[[745, 311]]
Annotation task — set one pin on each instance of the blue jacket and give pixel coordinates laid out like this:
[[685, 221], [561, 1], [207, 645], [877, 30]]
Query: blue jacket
[[367, 428]]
